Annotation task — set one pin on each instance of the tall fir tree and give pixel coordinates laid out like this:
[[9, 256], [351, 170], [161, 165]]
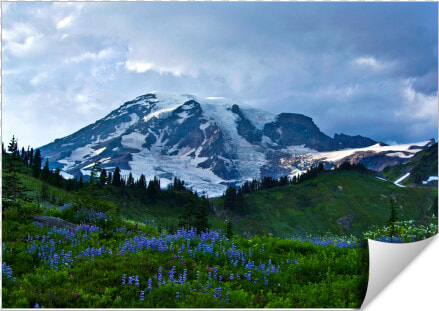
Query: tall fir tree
[[141, 183], [103, 177], [110, 178], [201, 216], [153, 189], [95, 172], [394, 213], [229, 228], [57, 178], [12, 183], [116, 177], [186, 216], [130, 181], [45, 173], [36, 164], [23, 155], [31, 157], [230, 198], [239, 204]]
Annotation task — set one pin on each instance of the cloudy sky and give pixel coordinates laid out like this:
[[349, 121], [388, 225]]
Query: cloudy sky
[[360, 68]]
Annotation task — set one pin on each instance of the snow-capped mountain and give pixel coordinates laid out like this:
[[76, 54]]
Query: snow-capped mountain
[[208, 142]]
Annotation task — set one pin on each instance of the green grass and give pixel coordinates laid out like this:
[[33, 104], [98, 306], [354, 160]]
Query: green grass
[[315, 205]]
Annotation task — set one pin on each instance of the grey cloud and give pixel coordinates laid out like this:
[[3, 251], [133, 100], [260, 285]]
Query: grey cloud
[[282, 57]]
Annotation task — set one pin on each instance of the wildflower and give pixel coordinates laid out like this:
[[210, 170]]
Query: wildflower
[[142, 295], [217, 292], [227, 297], [36, 305], [177, 295]]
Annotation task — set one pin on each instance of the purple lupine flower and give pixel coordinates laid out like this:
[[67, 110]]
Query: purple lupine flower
[[227, 297], [217, 292], [149, 284], [142, 295], [160, 275]]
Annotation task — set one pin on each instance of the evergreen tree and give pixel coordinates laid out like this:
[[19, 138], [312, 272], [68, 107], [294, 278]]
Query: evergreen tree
[[201, 220], [141, 183], [57, 178], [31, 157], [116, 177], [246, 187], [229, 228], [110, 178], [94, 172], [81, 182], [130, 181], [186, 216], [36, 165], [45, 173], [103, 177], [153, 189], [239, 204], [177, 185], [23, 155], [12, 183], [394, 212], [283, 181], [230, 198], [13, 148]]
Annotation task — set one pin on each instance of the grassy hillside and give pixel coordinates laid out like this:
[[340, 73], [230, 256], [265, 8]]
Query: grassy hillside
[[344, 202], [316, 206], [421, 166]]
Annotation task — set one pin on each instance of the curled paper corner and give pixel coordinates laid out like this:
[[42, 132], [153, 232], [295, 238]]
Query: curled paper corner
[[388, 260]]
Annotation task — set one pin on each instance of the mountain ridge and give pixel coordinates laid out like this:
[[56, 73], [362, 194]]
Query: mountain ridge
[[210, 142]]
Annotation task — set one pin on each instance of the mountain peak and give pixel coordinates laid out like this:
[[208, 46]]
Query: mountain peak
[[208, 142]]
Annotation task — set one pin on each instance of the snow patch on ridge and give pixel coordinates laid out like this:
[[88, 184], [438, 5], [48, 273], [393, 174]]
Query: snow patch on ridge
[[158, 113], [334, 156], [397, 182], [133, 140], [431, 178]]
